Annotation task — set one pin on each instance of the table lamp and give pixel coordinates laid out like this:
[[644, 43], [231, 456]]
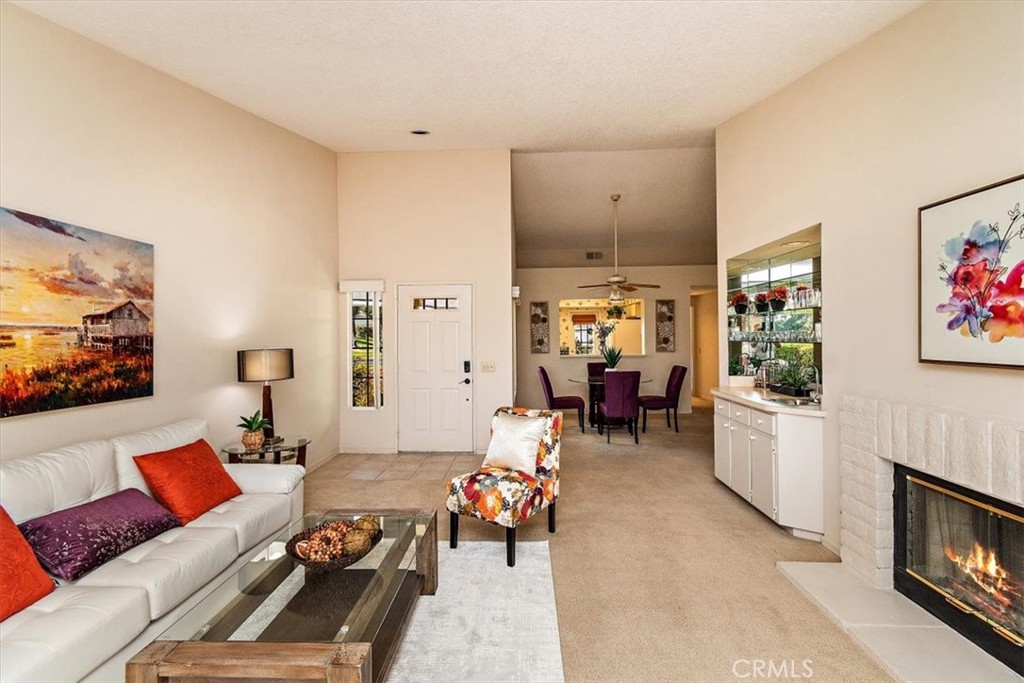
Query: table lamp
[[266, 365]]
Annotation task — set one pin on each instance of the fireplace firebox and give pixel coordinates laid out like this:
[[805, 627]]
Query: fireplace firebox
[[960, 555]]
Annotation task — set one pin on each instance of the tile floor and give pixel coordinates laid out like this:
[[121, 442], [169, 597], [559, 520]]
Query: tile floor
[[405, 466]]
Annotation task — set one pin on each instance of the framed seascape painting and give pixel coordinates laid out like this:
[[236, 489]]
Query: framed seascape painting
[[76, 315], [971, 298]]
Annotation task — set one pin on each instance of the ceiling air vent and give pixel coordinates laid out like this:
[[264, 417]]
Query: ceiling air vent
[[595, 255]]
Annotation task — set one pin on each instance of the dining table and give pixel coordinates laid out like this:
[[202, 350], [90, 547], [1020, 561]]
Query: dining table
[[595, 393]]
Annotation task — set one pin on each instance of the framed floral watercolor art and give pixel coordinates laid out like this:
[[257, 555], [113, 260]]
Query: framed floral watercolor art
[[971, 265]]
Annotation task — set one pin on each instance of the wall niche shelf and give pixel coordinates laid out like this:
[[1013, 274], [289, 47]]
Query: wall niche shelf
[[793, 263]]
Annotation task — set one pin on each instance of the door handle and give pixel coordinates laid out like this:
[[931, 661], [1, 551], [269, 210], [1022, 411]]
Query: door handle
[[465, 381]]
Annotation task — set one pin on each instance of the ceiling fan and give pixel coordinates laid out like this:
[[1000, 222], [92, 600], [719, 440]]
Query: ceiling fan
[[618, 283]]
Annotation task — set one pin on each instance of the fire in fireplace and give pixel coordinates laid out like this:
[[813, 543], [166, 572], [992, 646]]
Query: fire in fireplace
[[960, 555], [982, 567]]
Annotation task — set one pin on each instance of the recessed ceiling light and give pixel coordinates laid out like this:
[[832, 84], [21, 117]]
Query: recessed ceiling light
[[798, 243], [420, 132]]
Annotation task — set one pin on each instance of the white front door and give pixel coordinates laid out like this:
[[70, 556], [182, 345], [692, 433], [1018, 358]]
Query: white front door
[[435, 368]]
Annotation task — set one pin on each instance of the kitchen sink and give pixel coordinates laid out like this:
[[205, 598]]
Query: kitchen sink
[[795, 401]]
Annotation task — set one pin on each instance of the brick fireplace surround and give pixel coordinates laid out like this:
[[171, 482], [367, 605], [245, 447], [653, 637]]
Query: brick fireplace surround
[[970, 450]]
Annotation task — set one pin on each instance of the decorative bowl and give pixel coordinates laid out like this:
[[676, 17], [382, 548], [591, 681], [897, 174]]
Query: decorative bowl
[[334, 563]]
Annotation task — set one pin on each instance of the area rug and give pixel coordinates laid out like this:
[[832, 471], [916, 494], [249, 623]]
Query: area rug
[[487, 623]]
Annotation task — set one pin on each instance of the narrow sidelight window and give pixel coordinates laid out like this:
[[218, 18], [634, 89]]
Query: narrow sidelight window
[[367, 347]]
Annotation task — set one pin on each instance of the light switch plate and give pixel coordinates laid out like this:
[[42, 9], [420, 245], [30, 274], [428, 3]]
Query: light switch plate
[[487, 366]]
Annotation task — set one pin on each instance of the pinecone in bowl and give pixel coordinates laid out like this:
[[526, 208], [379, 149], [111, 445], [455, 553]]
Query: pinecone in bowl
[[367, 523]]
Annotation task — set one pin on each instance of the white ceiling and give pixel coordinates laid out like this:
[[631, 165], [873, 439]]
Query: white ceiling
[[530, 76]]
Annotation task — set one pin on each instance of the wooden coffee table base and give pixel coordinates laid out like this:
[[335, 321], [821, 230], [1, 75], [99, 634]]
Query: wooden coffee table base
[[165, 661], [195, 661]]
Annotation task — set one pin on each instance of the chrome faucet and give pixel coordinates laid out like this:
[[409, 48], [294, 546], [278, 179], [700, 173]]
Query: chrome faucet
[[817, 391]]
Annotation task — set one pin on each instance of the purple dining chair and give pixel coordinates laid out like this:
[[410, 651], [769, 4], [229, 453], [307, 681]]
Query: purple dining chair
[[621, 402], [560, 402], [670, 401]]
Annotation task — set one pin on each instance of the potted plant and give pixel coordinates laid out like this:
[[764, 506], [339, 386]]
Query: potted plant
[[777, 298], [612, 355], [615, 312], [793, 372], [739, 302], [793, 379], [761, 302], [252, 437]]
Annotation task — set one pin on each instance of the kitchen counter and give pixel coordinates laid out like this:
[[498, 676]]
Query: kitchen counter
[[758, 398]]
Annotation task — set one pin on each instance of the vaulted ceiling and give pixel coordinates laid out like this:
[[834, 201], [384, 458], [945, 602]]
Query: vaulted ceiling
[[592, 97]]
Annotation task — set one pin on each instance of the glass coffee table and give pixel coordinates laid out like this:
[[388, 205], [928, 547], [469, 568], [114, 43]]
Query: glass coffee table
[[274, 619]]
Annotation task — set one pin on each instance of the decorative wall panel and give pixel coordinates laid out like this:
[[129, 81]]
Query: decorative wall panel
[[665, 325]]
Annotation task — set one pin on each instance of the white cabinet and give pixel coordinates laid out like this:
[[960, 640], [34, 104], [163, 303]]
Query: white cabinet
[[739, 458], [762, 473], [774, 461], [723, 467]]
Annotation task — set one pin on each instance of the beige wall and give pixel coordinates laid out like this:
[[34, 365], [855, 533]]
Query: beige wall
[[243, 216], [420, 217], [553, 284], [705, 355], [928, 108]]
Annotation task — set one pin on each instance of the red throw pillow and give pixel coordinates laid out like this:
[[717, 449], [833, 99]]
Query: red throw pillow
[[22, 579], [188, 480]]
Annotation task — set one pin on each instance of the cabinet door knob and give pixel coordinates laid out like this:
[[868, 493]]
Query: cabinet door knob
[[751, 437]]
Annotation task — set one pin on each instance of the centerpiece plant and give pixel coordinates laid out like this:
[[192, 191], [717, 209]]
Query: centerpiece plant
[[615, 312], [612, 355]]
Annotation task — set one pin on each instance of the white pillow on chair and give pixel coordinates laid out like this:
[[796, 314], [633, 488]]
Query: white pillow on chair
[[514, 443]]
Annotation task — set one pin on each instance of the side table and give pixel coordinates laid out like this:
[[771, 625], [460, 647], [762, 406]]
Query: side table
[[283, 449]]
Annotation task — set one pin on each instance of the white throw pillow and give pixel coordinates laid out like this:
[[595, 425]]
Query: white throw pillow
[[515, 442]]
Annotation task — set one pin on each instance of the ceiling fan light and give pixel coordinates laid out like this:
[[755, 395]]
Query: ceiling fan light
[[616, 297]]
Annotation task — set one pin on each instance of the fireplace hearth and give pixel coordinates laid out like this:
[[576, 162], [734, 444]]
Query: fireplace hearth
[[960, 555]]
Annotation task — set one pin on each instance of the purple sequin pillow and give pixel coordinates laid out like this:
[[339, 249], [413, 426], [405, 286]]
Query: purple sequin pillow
[[76, 540]]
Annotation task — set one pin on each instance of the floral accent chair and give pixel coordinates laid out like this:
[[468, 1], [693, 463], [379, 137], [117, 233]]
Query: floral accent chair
[[507, 497]]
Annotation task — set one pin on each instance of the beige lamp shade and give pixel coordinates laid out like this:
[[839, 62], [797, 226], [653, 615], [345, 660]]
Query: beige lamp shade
[[265, 365]]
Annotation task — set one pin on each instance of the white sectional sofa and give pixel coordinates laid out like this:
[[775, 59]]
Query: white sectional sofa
[[88, 629]]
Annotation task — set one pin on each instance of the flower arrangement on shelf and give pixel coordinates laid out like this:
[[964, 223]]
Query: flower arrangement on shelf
[[777, 297], [761, 302], [739, 302], [603, 330]]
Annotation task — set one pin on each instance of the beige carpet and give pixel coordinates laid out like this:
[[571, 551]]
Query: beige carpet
[[660, 572]]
